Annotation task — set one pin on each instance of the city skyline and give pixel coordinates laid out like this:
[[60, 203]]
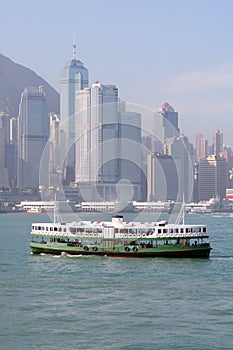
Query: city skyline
[[154, 52]]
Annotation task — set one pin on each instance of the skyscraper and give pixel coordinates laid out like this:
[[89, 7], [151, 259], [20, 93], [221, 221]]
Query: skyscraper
[[201, 147], [96, 123], [182, 152], [108, 139], [217, 143], [54, 149], [74, 77], [33, 133], [170, 120], [162, 178], [212, 177]]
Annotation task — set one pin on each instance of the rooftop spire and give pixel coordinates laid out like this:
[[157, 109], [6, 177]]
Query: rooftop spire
[[74, 49]]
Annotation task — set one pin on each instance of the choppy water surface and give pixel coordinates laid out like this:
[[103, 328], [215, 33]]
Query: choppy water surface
[[51, 302]]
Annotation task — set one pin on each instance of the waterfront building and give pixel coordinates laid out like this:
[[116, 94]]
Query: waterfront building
[[212, 177], [33, 134], [229, 194], [74, 77]]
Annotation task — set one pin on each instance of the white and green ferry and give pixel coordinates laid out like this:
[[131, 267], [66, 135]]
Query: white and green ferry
[[118, 238]]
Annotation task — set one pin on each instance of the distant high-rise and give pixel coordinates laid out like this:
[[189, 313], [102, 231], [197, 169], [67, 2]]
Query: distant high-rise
[[182, 152], [217, 143], [96, 123], [170, 120], [201, 147], [108, 140], [3, 170], [7, 148], [54, 149], [33, 133], [74, 77], [212, 177], [130, 154], [162, 178]]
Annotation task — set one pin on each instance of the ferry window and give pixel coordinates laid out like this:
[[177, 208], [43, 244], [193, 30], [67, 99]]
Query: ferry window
[[199, 230], [55, 228], [42, 228], [171, 230], [164, 230], [204, 229], [47, 228], [159, 230], [59, 229], [64, 230], [32, 227], [39, 228], [51, 229], [187, 230], [181, 230], [176, 230], [35, 227]]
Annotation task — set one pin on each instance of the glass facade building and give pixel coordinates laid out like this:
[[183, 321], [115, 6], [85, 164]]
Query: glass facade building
[[74, 77], [33, 134]]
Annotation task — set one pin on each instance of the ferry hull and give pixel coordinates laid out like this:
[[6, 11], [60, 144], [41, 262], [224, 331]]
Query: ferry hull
[[202, 252]]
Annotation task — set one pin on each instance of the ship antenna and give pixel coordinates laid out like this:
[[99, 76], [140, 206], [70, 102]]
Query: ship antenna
[[183, 210], [181, 216], [56, 215], [74, 48]]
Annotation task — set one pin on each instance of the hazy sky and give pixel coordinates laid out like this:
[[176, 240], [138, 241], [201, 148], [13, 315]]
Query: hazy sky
[[180, 51]]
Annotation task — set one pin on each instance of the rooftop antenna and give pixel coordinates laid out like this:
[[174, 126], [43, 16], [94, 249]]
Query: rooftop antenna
[[74, 48]]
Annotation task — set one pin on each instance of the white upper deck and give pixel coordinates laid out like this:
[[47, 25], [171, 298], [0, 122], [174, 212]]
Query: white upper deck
[[117, 228]]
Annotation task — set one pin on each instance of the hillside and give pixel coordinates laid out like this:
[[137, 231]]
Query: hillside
[[13, 80]]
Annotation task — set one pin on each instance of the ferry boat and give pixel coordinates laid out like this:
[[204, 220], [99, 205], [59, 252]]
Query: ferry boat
[[118, 238]]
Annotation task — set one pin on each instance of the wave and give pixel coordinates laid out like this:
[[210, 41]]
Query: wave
[[222, 257]]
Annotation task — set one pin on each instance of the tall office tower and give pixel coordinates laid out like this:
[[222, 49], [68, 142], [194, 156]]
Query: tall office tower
[[5, 125], [3, 170], [201, 147], [33, 134], [96, 126], [212, 177], [74, 77], [162, 178], [170, 120], [130, 155], [54, 149], [228, 155], [181, 151], [217, 143], [5, 145]]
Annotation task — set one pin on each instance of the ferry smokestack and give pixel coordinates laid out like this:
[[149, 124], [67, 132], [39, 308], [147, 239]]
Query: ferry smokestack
[[117, 219]]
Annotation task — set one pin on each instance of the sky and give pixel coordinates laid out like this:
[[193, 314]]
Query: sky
[[179, 51]]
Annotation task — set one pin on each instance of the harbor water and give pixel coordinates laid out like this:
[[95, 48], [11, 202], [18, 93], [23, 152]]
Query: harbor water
[[79, 302]]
